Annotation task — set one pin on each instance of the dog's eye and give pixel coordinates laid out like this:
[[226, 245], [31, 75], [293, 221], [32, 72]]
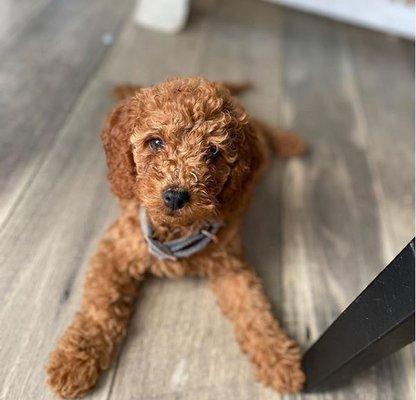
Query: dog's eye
[[212, 153], [156, 144]]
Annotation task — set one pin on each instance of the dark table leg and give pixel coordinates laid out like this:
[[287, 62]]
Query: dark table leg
[[378, 322]]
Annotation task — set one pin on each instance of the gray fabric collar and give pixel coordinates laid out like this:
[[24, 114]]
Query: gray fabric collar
[[178, 248]]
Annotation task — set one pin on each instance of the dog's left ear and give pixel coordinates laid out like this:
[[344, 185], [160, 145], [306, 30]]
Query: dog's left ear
[[115, 137]]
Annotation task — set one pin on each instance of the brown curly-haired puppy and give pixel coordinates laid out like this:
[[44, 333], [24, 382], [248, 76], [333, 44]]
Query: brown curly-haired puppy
[[182, 159]]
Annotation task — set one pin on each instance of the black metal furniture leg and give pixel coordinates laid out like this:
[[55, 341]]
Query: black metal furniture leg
[[380, 321]]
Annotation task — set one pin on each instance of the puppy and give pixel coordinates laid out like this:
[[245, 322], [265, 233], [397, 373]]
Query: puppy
[[182, 158]]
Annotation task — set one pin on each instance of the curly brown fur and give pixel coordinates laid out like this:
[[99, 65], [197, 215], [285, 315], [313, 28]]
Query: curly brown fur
[[188, 115]]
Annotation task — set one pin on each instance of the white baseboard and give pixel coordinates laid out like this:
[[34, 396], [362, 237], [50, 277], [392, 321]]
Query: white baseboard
[[396, 17]]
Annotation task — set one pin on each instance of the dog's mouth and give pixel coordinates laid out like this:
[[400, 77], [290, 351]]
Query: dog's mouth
[[174, 213], [187, 215]]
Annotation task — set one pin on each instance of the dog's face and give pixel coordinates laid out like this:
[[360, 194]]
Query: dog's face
[[188, 152]]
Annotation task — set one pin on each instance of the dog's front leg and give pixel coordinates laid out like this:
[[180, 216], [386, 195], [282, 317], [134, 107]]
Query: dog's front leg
[[88, 345], [275, 356]]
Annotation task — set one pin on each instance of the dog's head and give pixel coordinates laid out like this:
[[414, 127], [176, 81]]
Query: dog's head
[[184, 149]]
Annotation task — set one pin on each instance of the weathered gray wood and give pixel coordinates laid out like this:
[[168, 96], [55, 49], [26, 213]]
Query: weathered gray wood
[[14, 16], [389, 120], [317, 231], [332, 204], [57, 224], [43, 68], [389, 143]]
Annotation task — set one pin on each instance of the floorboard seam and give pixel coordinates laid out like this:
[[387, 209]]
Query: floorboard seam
[[32, 177]]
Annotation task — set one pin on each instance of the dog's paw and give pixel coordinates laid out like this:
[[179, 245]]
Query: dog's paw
[[71, 374], [288, 377], [285, 375]]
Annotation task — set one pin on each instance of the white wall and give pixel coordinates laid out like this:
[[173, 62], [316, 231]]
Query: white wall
[[392, 16]]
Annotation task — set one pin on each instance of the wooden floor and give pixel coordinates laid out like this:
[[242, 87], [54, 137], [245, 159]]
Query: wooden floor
[[319, 228]]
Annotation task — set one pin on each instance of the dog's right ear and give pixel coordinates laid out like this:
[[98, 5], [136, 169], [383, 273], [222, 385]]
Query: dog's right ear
[[115, 137]]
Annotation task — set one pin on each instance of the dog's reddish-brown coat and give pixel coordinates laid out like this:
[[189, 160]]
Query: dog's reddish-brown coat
[[189, 114]]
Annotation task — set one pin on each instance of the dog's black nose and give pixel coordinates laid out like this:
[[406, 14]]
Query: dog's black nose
[[175, 198]]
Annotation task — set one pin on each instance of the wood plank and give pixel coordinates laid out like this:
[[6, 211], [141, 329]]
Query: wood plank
[[51, 235], [14, 16], [313, 231], [331, 215], [379, 67], [143, 49], [43, 68]]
